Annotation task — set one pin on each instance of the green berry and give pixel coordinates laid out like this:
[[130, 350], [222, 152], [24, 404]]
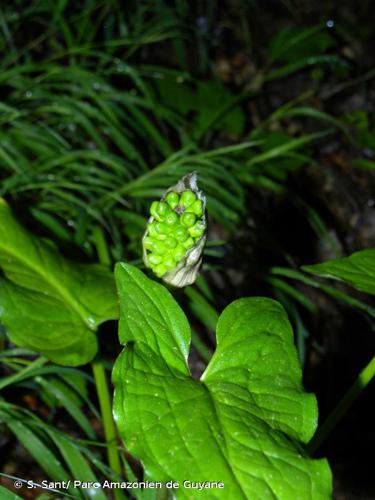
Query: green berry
[[159, 210], [188, 219], [171, 218], [151, 228], [197, 230], [159, 247], [196, 208], [169, 263], [148, 243], [187, 198], [180, 233], [179, 252], [172, 199], [159, 235], [163, 209], [154, 259], [160, 270], [154, 210], [170, 242], [188, 243], [161, 228]]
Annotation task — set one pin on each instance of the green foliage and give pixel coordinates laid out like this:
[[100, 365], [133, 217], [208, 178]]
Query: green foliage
[[243, 423], [91, 130], [329, 290], [212, 106], [295, 48], [57, 454], [94, 139], [358, 270], [49, 304], [100, 135], [294, 42]]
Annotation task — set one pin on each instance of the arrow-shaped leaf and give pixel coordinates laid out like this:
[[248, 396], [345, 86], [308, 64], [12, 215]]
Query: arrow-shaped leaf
[[245, 421]]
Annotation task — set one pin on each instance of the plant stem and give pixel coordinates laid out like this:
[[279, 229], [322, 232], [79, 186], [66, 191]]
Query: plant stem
[[101, 246], [363, 379], [108, 423], [101, 382]]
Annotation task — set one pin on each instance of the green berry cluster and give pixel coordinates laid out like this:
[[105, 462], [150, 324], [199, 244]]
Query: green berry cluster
[[177, 227]]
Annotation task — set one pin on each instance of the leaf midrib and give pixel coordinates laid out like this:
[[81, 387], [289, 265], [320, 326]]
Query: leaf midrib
[[61, 291]]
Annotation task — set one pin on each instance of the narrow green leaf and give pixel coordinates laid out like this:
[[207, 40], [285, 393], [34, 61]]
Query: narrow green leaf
[[307, 62], [329, 290], [285, 148], [358, 270], [8, 495], [77, 464], [306, 111], [41, 453], [69, 404], [201, 308]]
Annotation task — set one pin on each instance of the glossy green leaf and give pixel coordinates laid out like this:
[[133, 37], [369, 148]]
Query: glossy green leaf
[[244, 423], [358, 270], [47, 303]]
